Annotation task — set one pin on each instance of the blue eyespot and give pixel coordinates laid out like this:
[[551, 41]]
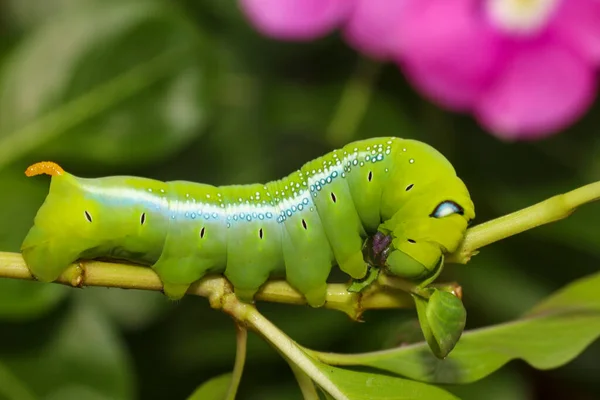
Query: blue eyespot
[[445, 208]]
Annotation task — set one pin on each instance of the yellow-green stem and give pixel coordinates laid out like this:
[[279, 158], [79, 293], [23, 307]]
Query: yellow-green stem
[[309, 391], [240, 360], [283, 343], [127, 276], [547, 211]]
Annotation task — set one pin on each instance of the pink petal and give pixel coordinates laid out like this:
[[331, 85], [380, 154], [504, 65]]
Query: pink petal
[[543, 88], [372, 26], [296, 19], [447, 50], [578, 22]]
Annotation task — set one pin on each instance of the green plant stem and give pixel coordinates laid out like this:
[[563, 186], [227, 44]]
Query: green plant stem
[[240, 360], [249, 315], [545, 212], [309, 392], [127, 276], [291, 350], [353, 103]]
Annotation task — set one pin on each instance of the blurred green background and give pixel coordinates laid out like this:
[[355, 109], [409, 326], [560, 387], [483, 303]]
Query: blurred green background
[[187, 90]]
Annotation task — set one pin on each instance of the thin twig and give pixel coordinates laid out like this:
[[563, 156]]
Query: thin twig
[[307, 386], [545, 212], [240, 360], [249, 315]]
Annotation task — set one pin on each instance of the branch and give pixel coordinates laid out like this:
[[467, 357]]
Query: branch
[[128, 276], [307, 386], [240, 360], [249, 315], [553, 209]]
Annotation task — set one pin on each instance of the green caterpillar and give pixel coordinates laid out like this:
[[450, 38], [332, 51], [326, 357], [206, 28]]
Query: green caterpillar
[[297, 227]]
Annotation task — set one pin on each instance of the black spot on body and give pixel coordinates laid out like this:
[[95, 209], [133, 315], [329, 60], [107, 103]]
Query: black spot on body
[[88, 216], [202, 231], [411, 241], [143, 218], [370, 175], [260, 233], [333, 198], [410, 187], [304, 224]]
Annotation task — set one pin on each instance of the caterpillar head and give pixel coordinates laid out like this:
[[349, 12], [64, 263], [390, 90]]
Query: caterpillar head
[[80, 220], [428, 209]]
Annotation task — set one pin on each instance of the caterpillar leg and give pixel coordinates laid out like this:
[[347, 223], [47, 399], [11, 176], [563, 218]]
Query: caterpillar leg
[[316, 297], [315, 292], [46, 258], [253, 247], [355, 266], [248, 271], [308, 274], [245, 280], [175, 291], [177, 274], [245, 295], [308, 257], [342, 226]]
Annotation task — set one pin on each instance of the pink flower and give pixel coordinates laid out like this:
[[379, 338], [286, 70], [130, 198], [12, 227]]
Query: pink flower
[[296, 19], [368, 24], [524, 68]]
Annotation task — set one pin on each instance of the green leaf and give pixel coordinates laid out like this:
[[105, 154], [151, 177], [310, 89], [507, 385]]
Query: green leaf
[[213, 389], [550, 335], [135, 88], [357, 385], [442, 319], [359, 284], [340, 383], [83, 355], [520, 288]]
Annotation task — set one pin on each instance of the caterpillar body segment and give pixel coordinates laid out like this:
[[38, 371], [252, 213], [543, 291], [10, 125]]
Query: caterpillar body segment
[[297, 227]]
